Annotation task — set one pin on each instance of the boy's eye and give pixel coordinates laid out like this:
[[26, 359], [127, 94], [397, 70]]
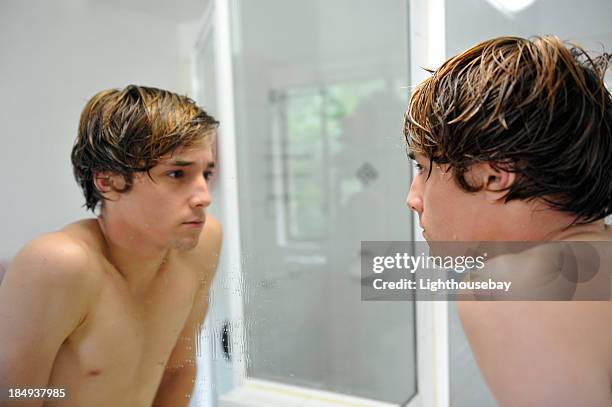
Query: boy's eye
[[208, 175], [176, 174], [418, 167]]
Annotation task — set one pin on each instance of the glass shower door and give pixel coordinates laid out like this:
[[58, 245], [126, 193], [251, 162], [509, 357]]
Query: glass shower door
[[312, 161], [320, 88]]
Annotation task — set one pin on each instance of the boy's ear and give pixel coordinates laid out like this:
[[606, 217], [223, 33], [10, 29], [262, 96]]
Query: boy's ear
[[109, 184], [495, 182]]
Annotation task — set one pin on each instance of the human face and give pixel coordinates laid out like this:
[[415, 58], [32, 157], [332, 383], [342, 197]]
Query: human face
[[445, 211], [168, 208]]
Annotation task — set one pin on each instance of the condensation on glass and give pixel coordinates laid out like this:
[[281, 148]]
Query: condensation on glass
[[320, 92]]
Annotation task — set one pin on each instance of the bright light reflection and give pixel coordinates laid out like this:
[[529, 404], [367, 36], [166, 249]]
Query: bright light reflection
[[511, 7]]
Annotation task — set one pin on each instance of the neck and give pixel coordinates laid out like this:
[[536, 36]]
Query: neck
[[137, 260], [537, 222], [578, 232]]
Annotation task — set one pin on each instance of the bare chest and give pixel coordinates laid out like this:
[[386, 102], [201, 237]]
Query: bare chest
[[119, 353]]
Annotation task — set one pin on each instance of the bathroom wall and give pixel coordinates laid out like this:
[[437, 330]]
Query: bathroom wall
[[55, 55]]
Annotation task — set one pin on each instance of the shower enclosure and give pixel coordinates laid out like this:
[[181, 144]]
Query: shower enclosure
[[312, 161]]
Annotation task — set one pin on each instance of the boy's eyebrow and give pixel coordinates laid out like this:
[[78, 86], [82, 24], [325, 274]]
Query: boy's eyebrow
[[180, 163], [183, 163], [411, 155]]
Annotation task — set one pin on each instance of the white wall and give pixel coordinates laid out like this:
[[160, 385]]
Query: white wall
[[55, 55], [584, 22]]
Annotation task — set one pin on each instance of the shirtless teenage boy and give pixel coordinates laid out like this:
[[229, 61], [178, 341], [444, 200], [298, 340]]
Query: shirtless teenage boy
[[513, 142], [108, 309]]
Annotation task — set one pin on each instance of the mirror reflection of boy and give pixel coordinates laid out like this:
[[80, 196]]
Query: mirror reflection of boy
[[109, 309]]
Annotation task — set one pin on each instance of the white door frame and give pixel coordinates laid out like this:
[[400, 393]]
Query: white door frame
[[428, 50]]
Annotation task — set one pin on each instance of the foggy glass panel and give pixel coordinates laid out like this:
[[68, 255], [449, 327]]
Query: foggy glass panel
[[320, 92], [308, 123]]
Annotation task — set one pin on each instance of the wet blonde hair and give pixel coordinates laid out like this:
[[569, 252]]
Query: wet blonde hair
[[127, 131]]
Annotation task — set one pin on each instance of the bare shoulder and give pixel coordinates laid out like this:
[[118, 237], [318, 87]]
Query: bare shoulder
[[210, 239], [538, 329], [532, 352], [539, 316], [54, 261], [212, 233], [205, 256], [55, 253], [546, 352], [57, 269], [48, 289]]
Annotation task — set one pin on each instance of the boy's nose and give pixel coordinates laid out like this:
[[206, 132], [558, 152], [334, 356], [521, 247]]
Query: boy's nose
[[414, 199]]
